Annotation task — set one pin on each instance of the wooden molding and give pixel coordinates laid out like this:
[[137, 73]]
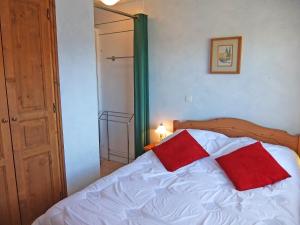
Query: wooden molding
[[232, 127], [298, 146], [57, 97]]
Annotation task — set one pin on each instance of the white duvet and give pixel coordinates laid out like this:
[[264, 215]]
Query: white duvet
[[144, 193]]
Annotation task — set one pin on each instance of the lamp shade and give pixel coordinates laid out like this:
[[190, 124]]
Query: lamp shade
[[109, 2]]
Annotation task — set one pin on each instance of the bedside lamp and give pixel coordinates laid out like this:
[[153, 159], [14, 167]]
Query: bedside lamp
[[162, 131]]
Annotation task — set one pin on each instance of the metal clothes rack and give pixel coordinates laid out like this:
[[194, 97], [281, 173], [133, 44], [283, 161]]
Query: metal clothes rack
[[113, 58], [115, 117]]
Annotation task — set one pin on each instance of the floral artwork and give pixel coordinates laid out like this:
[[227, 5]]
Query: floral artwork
[[225, 55]]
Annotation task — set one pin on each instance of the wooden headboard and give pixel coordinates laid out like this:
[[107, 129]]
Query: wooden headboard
[[241, 128]]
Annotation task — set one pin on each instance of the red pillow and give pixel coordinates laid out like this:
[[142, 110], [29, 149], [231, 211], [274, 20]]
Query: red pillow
[[179, 151], [252, 167]]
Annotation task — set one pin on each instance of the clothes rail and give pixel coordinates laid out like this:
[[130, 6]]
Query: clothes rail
[[109, 22], [100, 6], [114, 58], [116, 32]]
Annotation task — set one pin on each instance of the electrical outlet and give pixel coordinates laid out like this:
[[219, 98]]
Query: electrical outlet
[[188, 99]]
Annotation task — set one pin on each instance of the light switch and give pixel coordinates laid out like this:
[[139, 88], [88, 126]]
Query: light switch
[[188, 99]]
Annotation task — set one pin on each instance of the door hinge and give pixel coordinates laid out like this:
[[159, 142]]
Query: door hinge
[[50, 159], [48, 14], [54, 107]]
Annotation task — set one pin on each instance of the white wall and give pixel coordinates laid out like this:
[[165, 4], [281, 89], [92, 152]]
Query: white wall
[[77, 65], [267, 90]]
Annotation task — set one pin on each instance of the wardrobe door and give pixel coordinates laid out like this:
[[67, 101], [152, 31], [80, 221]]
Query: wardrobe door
[[9, 209], [31, 98]]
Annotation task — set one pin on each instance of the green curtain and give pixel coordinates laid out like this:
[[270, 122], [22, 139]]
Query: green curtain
[[141, 84]]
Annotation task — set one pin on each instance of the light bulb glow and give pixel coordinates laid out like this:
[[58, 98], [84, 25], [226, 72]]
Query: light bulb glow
[[109, 2], [161, 130]]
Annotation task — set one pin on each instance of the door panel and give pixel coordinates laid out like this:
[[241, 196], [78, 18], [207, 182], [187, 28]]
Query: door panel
[[9, 211], [27, 43], [36, 133], [39, 180], [5, 217], [31, 95]]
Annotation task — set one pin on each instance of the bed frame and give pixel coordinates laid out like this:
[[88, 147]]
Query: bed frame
[[241, 128]]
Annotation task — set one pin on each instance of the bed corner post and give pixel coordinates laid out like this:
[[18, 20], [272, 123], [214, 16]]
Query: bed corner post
[[175, 125], [298, 148]]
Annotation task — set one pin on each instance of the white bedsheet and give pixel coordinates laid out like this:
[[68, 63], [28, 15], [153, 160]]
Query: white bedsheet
[[144, 193]]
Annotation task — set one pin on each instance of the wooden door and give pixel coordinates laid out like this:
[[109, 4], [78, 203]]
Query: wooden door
[[28, 61], [9, 209]]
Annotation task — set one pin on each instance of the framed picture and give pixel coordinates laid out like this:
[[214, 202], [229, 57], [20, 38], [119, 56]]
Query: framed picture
[[225, 55]]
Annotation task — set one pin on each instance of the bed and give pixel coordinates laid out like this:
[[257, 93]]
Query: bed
[[144, 193]]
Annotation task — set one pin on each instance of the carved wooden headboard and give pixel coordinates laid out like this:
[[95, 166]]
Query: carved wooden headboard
[[240, 128]]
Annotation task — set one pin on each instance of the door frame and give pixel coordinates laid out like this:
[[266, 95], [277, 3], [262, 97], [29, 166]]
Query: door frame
[[141, 78], [54, 53]]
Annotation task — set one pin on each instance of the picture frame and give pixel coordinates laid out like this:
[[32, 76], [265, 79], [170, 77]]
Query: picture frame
[[225, 55]]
